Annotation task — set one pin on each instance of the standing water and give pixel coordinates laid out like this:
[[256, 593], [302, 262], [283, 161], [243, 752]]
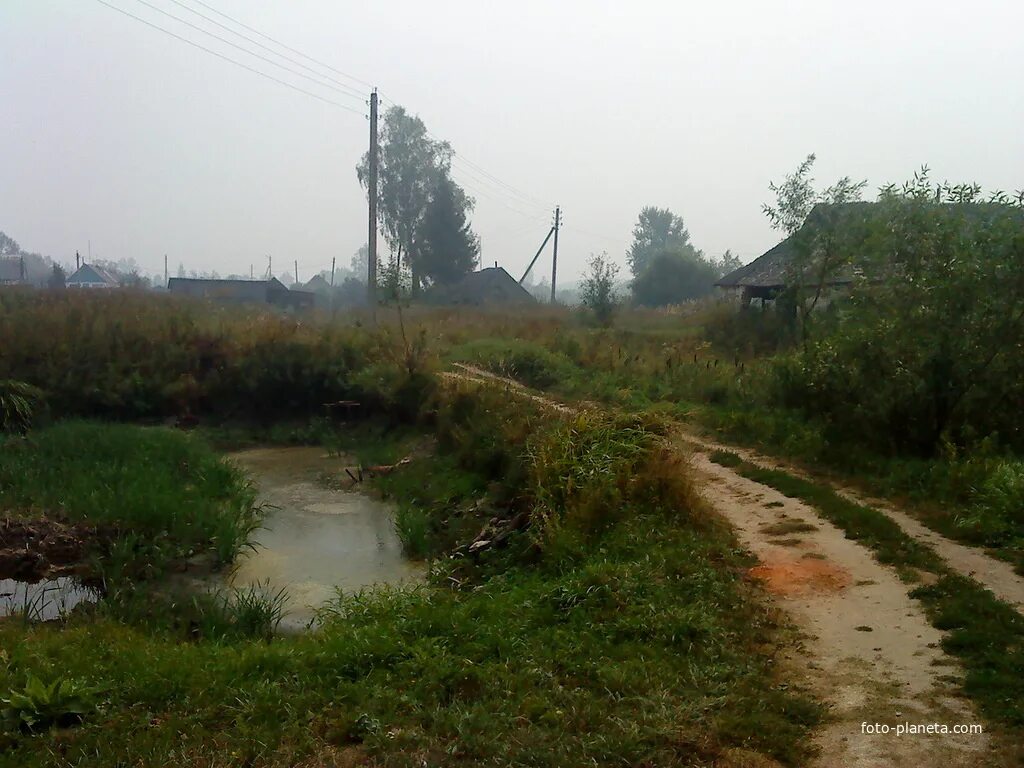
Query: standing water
[[316, 540]]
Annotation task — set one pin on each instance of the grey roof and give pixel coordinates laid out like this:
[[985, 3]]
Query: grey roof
[[317, 284], [773, 269], [87, 274], [487, 286], [10, 270]]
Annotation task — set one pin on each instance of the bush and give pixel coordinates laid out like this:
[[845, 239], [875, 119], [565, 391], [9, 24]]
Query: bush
[[996, 515]]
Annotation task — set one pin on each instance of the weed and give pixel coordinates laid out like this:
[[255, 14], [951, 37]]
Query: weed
[[38, 705]]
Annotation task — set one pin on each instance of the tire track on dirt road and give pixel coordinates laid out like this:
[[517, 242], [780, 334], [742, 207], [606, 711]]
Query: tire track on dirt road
[[995, 575], [869, 651]]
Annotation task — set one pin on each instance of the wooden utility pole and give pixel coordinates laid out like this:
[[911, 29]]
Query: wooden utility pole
[[371, 238], [332, 271], [296, 272], [270, 266], [166, 281], [554, 256]]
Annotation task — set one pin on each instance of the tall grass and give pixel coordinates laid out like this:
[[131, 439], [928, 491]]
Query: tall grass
[[164, 494]]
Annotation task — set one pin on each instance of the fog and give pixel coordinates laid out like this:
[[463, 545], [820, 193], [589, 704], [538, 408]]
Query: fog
[[120, 139]]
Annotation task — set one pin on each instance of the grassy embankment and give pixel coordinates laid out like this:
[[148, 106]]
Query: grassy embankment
[[975, 497], [613, 627]]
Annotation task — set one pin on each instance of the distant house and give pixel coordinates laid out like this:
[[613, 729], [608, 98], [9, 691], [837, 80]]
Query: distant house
[[272, 292], [321, 290], [88, 276], [11, 272], [491, 286], [765, 277]]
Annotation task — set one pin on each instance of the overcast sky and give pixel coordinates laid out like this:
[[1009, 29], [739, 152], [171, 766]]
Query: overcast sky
[[115, 133]]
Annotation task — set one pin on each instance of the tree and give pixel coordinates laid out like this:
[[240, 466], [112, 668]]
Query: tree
[[448, 248], [597, 292], [360, 263], [931, 349], [409, 165], [8, 246], [57, 279], [818, 253], [657, 230], [673, 277], [729, 262]]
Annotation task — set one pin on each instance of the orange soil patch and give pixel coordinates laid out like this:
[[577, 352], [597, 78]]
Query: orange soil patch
[[800, 577]]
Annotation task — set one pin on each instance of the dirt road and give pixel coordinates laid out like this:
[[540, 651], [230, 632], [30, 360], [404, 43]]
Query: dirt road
[[869, 651]]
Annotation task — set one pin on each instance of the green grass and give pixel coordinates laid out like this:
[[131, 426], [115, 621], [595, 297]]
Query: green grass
[[985, 633], [628, 636], [647, 652], [164, 494]]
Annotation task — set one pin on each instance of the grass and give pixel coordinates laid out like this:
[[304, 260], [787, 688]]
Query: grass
[[616, 629], [985, 633], [163, 494]]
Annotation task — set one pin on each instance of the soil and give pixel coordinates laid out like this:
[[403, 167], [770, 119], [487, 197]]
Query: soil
[[35, 549], [868, 650], [995, 575]]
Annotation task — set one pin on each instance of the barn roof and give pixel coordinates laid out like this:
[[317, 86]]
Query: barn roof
[[774, 268], [487, 286]]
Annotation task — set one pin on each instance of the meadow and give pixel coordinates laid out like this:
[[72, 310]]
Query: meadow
[[612, 623]]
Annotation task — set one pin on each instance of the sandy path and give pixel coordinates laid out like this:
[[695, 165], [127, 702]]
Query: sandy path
[[869, 651], [995, 575]]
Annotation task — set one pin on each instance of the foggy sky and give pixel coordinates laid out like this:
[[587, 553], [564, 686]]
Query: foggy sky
[[120, 135]]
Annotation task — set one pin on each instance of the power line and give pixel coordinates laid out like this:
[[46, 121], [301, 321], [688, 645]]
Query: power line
[[496, 190], [278, 42], [526, 197], [484, 175], [243, 49], [228, 59], [490, 185], [267, 48]]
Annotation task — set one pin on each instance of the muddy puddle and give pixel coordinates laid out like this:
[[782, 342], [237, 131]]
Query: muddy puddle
[[316, 540], [45, 600]]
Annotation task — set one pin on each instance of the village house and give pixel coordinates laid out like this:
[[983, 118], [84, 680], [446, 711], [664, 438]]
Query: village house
[[12, 272], [490, 286], [272, 292], [88, 276], [766, 276]]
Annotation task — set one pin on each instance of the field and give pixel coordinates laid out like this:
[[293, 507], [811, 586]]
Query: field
[[608, 618]]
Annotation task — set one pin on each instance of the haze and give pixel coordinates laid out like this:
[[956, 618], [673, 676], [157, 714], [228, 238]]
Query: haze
[[117, 135]]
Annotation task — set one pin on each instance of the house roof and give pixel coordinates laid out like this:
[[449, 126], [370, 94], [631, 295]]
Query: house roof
[[317, 284], [487, 286], [87, 274], [774, 268], [10, 270]]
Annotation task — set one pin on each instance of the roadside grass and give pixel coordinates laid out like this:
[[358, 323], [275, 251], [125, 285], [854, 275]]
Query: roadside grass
[[617, 628], [648, 651], [985, 633], [164, 494]]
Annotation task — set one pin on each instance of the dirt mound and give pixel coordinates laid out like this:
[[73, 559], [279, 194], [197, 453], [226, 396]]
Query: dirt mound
[[31, 550], [800, 577]]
